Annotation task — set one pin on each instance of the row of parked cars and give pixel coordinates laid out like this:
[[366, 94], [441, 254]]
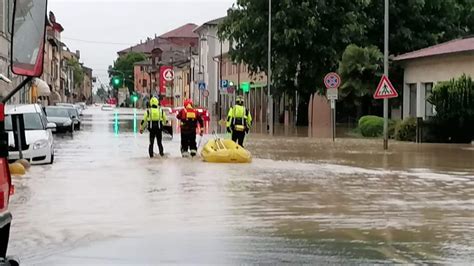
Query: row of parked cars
[[39, 124]]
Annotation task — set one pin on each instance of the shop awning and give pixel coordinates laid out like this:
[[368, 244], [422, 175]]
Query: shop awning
[[42, 88]]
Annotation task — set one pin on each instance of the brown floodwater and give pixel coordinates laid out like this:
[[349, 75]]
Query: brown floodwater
[[301, 200]]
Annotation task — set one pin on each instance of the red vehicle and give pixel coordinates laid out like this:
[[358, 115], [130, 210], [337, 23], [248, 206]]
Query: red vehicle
[[26, 60], [111, 101]]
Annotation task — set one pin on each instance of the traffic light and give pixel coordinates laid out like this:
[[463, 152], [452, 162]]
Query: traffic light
[[116, 81], [245, 87], [134, 98]]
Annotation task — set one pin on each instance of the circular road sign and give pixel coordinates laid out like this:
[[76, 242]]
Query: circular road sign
[[205, 93], [332, 80], [168, 74]]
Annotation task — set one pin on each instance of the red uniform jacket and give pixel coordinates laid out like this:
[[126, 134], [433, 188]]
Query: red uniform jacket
[[190, 118]]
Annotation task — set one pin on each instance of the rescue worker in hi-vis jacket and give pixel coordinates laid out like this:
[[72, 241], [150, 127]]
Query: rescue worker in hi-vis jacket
[[190, 120], [154, 119], [239, 121]]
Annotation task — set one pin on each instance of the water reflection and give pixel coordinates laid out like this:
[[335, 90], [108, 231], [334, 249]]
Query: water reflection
[[301, 201]]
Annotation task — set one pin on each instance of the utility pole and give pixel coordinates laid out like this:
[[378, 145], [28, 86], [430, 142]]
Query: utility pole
[[386, 52], [269, 74]]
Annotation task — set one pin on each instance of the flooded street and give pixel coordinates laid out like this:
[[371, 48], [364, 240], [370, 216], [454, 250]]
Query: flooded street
[[300, 201]]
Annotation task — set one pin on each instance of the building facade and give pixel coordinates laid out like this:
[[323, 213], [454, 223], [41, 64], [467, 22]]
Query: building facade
[[424, 68], [210, 47]]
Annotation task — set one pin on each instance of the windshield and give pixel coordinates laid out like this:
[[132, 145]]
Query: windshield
[[32, 122], [57, 112], [72, 112]]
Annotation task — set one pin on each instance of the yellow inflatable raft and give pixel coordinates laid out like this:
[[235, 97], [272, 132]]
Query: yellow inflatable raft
[[225, 151]]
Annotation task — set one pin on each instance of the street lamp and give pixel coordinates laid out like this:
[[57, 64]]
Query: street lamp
[[269, 74]]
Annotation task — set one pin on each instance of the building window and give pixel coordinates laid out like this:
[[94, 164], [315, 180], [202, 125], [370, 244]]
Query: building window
[[412, 111], [429, 109], [145, 83]]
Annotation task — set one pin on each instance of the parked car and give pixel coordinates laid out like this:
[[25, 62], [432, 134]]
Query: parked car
[[83, 105], [168, 111], [79, 109], [74, 115], [38, 133], [204, 114], [60, 116]]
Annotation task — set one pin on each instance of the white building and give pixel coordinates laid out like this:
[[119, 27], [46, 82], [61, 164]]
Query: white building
[[426, 67], [210, 47]]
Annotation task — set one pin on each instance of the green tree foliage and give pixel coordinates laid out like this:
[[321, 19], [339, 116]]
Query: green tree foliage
[[309, 36], [454, 102], [123, 68], [78, 72], [360, 68]]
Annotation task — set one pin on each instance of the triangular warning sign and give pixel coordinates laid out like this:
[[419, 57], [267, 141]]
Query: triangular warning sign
[[385, 90]]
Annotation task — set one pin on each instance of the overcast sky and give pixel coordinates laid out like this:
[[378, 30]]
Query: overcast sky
[[121, 24]]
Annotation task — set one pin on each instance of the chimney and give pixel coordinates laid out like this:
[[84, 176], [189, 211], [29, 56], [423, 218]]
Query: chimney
[[140, 41], [78, 54], [156, 36]]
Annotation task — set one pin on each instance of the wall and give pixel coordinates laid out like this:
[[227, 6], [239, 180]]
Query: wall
[[208, 50], [432, 70]]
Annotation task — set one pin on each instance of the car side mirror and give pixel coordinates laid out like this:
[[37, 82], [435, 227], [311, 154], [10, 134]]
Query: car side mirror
[[51, 126], [27, 45]]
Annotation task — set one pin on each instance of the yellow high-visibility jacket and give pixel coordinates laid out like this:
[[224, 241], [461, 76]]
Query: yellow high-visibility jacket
[[239, 118], [154, 118]]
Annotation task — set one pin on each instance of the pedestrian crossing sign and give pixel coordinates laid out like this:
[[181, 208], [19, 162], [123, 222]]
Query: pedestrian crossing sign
[[385, 90], [202, 85]]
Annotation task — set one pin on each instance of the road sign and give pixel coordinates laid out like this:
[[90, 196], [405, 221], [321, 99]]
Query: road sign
[[332, 81], [332, 94], [224, 84], [205, 93], [168, 74], [202, 85], [385, 90], [230, 89]]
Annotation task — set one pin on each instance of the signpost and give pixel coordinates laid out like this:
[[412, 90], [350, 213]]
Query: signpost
[[332, 81], [385, 91]]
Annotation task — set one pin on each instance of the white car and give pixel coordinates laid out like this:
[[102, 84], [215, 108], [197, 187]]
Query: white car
[[39, 137]]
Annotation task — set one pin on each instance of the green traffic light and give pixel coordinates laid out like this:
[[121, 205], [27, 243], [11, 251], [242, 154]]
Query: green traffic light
[[116, 81]]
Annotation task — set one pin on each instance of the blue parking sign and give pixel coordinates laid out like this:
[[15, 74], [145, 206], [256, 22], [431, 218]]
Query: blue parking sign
[[224, 84]]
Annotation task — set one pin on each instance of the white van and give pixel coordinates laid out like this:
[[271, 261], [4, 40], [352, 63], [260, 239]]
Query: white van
[[39, 137]]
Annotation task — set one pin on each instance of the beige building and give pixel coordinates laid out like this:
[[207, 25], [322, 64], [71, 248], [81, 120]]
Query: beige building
[[426, 67]]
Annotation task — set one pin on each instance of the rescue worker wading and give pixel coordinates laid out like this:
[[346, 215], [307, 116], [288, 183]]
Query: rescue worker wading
[[239, 121], [153, 120], [190, 119]]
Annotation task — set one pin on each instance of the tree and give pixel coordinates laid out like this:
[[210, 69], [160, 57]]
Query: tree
[[360, 69], [309, 36], [78, 72], [123, 68], [454, 103]]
